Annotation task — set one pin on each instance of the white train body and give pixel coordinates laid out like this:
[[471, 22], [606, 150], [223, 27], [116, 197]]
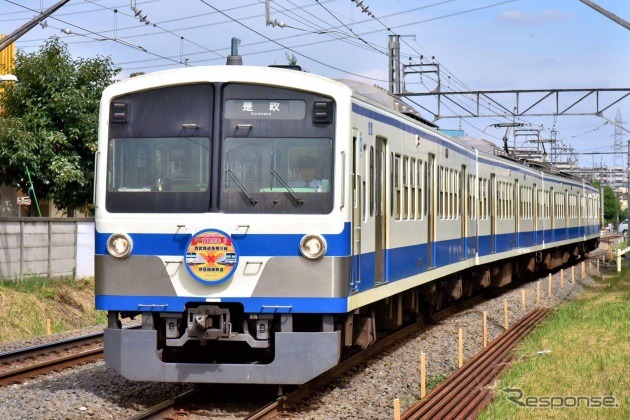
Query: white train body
[[242, 277]]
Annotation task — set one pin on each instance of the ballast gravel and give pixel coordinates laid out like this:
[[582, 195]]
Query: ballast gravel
[[367, 392]]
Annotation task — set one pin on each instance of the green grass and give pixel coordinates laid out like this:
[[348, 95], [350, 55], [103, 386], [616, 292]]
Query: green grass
[[589, 340], [27, 304]]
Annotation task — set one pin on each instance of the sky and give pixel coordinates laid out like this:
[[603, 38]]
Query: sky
[[480, 44]]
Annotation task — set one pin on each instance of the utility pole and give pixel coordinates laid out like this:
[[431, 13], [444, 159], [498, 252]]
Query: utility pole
[[394, 64], [618, 147], [606, 13], [15, 35], [628, 182]]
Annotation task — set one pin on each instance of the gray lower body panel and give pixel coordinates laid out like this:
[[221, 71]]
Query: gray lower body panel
[[299, 357]]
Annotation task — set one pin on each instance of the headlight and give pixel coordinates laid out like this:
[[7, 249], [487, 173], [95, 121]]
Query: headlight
[[119, 245], [313, 246]]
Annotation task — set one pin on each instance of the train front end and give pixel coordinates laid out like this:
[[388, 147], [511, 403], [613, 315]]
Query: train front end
[[209, 228]]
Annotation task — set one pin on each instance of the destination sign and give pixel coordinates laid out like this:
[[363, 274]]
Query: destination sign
[[272, 109]]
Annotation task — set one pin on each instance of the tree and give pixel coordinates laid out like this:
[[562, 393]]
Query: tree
[[50, 123], [291, 59], [612, 206]]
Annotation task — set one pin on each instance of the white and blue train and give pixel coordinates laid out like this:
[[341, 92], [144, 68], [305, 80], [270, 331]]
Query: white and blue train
[[248, 267]]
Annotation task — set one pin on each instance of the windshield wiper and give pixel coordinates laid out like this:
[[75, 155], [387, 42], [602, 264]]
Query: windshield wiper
[[251, 199], [296, 197]]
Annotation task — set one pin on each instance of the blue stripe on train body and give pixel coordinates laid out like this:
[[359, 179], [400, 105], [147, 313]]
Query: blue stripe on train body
[[400, 263], [271, 305], [284, 245], [403, 262]]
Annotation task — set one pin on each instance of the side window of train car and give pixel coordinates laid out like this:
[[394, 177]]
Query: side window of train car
[[443, 188], [397, 187], [512, 201], [456, 203], [547, 204], [412, 189], [471, 196], [419, 185], [483, 198], [405, 188], [449, 194], [500, 200]]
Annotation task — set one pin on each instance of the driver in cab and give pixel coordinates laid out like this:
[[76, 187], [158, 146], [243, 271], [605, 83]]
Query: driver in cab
[[307, 169]]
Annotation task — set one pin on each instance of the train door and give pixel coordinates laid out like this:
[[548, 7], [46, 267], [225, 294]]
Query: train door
[[566, 214], [552, 215], [380, 215], [431, 210], [493, 213], [580, 223], [516, 207], [535, 212], [463, 213], [357, 201]]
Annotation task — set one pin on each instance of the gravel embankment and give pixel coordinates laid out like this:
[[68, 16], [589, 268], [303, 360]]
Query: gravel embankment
[[369, 391], [96, 391]]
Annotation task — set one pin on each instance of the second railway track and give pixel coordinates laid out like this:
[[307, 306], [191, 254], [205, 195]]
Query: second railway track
[[18, 365]]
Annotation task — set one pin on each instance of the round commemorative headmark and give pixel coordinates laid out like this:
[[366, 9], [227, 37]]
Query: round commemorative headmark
[[211, 256]]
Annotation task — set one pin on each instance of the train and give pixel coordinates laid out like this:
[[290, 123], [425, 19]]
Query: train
[[240, 274]]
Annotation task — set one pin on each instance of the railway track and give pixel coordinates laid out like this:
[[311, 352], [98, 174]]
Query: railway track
[[275, 408], [19, 365], [22, 364], [466, 392], [181, 405]]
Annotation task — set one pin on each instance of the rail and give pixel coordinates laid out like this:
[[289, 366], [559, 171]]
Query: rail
[[39, 360], [275, 408], [466, 392]]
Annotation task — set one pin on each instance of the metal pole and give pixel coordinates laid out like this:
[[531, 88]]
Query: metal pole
[[607, 13], [15, 35], [32, 188], [394, 64], [628, 182]]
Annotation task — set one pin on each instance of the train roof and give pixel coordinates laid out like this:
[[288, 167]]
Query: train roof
[[383, 97], [492, 149]]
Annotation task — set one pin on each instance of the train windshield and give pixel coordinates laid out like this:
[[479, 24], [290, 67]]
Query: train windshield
[[277, 175], [159, 164], [159, 174]]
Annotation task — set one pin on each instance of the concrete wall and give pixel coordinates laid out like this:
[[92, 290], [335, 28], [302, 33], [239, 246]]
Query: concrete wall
[[46, 247]]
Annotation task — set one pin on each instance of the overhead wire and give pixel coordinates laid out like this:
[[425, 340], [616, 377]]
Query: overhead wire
[[62, 14], [288, 48], [319, 30], [119, 41], [294, 36], [454, 78], [447, 71], [389, 29], [268, 40], [155, 25], [345, 26], [586, 132]]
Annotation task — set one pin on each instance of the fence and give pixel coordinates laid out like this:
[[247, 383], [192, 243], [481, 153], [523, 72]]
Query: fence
[[45, 246]]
